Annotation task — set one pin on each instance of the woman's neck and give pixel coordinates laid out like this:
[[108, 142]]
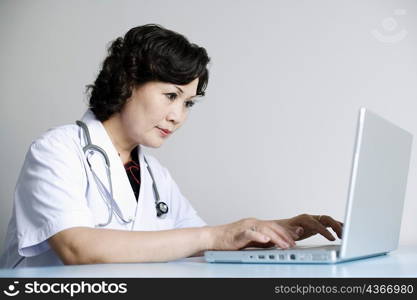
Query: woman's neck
[[115, 131]]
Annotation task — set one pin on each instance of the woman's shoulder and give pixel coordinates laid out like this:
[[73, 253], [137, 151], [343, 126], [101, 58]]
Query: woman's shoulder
[[60, 137]]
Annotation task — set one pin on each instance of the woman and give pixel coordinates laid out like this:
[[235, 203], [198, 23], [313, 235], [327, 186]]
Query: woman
[[79, 204]]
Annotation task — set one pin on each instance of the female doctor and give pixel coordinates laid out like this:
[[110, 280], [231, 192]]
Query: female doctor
[[87, 192]]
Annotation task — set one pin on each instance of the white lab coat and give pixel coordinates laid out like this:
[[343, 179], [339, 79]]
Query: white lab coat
[[56, 191]]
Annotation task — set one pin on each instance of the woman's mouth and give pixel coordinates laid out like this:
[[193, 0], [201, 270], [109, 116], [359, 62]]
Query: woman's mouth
[[164, 132]]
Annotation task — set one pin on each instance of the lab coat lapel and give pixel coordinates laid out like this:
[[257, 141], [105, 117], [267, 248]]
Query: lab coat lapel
[[122, 190], [145, 210]]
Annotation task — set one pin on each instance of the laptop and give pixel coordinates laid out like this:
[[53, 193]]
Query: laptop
[[374, 207]]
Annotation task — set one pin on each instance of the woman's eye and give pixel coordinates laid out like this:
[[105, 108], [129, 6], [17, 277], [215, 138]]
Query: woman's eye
[[189, 103], [171, 96]]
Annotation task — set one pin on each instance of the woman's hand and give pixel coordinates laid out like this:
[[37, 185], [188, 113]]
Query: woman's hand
[[252, 232], [309, 225], [283, 233]]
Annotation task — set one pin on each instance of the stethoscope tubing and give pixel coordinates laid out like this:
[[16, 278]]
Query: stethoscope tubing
[[108, 196]]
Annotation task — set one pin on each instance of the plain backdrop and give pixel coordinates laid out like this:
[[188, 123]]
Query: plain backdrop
[[274, 136]]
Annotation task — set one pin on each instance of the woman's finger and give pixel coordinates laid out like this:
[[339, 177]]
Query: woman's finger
[[337, 228], [277, 238], [330, 222], [252, 235], [293, 231], [316, 226], [286, 233]]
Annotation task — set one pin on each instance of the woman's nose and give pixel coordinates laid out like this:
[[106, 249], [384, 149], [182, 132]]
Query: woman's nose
[[176, 113]]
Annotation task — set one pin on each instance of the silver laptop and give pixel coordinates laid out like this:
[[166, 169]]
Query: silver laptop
[[374, 207]]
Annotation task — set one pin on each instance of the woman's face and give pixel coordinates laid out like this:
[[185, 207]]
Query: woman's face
[[155, 111]]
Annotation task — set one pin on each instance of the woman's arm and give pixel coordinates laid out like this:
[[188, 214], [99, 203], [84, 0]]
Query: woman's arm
[[84, 245]]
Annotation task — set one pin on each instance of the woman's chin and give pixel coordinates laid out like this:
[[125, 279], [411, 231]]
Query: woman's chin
[[152, 144]]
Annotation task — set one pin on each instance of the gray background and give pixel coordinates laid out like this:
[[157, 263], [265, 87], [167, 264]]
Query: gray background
[[274, 135]]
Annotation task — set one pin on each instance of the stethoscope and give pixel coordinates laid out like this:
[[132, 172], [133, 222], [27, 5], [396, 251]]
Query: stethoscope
[[161, 207], [89, 148]]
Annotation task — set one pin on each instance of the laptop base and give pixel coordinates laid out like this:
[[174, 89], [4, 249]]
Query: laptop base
[[328, 254]]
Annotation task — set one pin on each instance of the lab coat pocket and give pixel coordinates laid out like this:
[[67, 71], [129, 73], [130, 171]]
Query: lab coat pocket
[[165, 224]]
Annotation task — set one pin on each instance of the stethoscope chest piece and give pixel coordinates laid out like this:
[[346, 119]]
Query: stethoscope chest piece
[[161, 208], [89, 148]]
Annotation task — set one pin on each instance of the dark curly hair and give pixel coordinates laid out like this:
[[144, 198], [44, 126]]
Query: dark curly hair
[[146, 53]]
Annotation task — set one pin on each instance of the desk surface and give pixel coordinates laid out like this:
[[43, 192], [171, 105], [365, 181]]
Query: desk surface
[[399, 263]]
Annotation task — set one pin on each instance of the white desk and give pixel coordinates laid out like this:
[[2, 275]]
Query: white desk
[[399, 263]]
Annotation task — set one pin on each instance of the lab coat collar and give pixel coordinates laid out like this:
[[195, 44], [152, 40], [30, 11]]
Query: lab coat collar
[[122, 190]]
